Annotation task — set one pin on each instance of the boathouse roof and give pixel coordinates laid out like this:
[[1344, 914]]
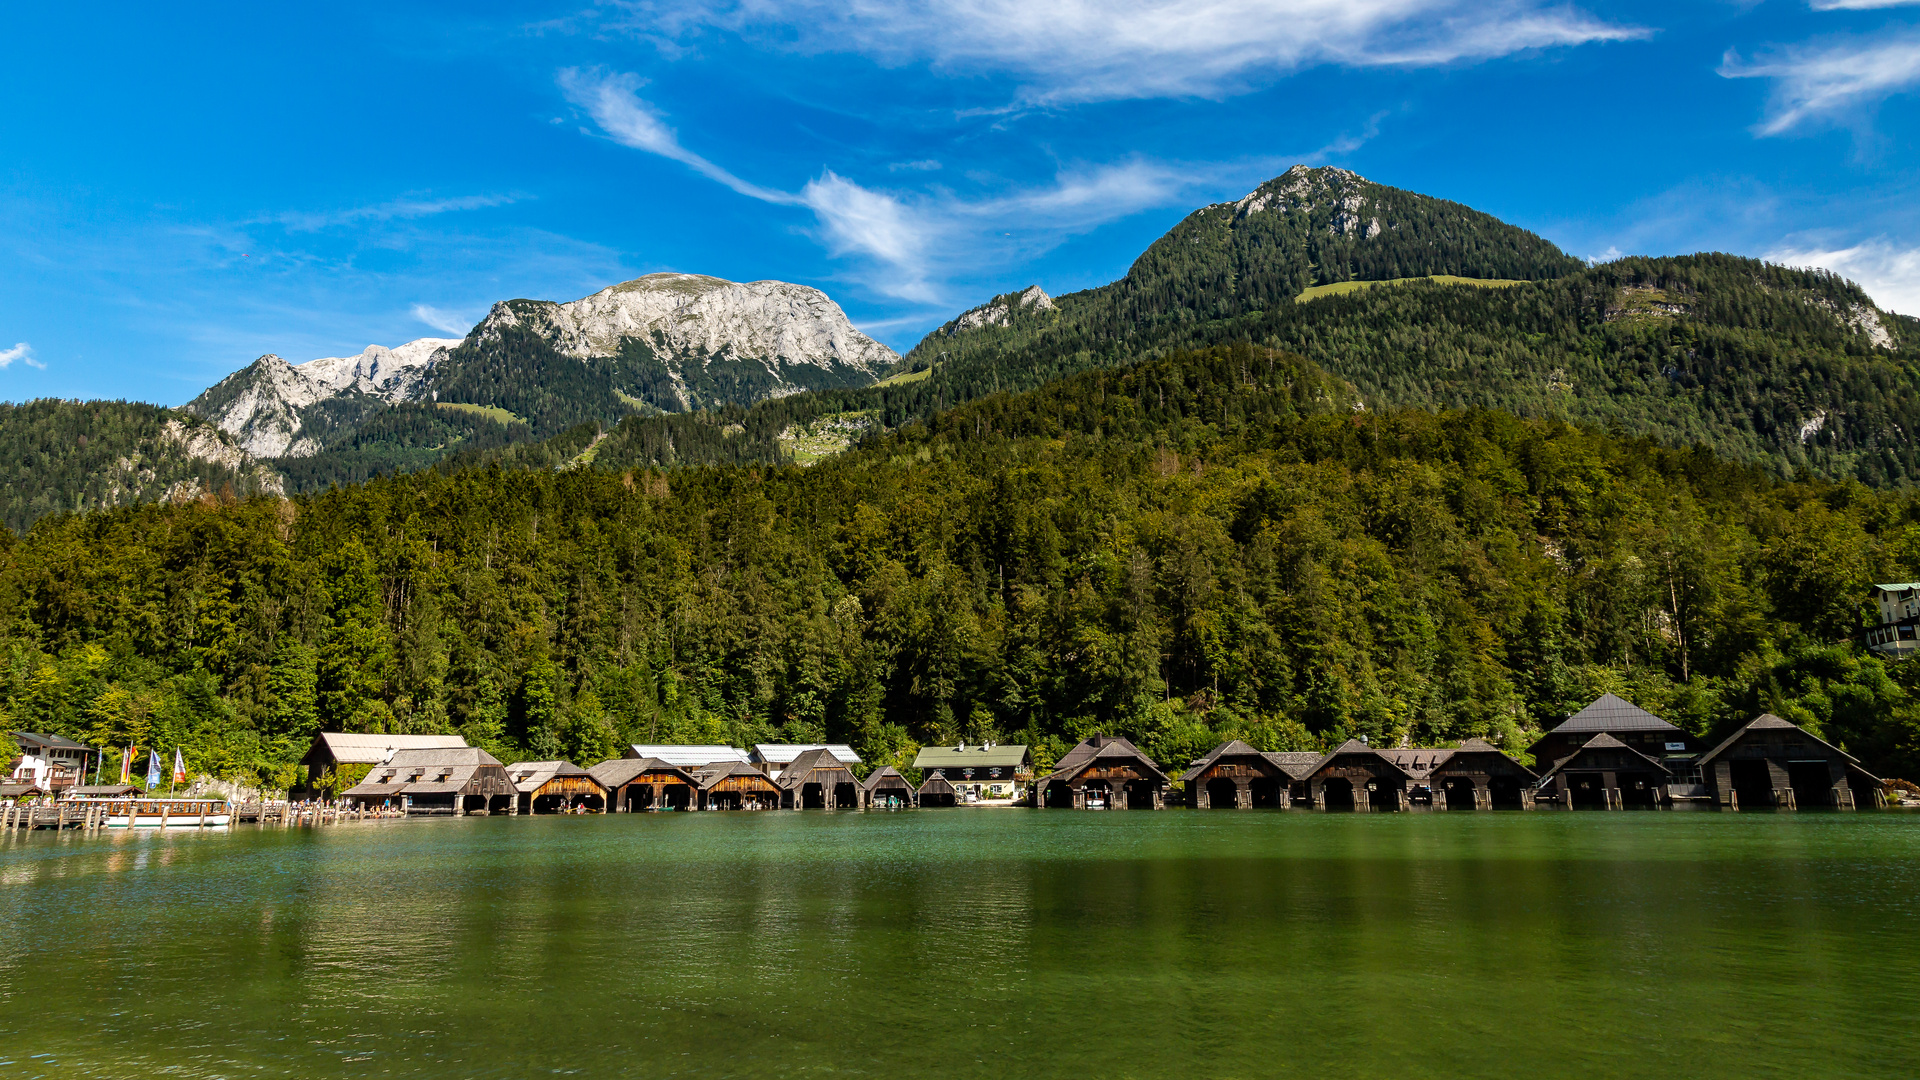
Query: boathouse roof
[[616, 772], [98, 790], [718, 771], [1416, 761], [783, 753], [440, 770], [360, 748], [1230, 748], [1298, 764], [33, 740], [1107, 748], [533, 775], [1602, 741], [810, 764], [1610, 713], [686, 755], [935, 785], [1770, 722], [20, 791], [983, 756], [885, 776]]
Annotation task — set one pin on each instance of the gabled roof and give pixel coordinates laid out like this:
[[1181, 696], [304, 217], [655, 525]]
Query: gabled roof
[[458, 763], [35, 740], [781, 753], [1103, 748], [102, 789], [1230, 748], [1416, 761], [1481, 746], [618, 771], [442, 755], [817, 760], [687, 755], [1602, 741], [1901, 586], [1770, 722], [996, 756], [1298, 764], [533, 775], [1610, 713], [359, 748], [885, 775], [935, 785], [20, 791], [720, 770], [1355, 746]]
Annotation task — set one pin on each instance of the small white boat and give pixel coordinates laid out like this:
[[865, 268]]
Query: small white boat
[[167, 813]]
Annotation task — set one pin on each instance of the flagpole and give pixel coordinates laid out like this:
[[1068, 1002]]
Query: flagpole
[[171, 773]]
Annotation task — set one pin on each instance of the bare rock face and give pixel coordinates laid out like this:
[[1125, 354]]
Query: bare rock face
[[689, 322], [1001, 309], [265, 405]]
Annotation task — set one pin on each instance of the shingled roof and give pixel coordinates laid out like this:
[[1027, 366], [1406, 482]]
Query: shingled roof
[[887, 775], [616, 772], [1602, 741], [1230, 748], [1765, 722], [1102, 747], [1610, 713]]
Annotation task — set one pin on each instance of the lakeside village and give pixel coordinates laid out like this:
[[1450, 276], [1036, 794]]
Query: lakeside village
[[1611, 755]]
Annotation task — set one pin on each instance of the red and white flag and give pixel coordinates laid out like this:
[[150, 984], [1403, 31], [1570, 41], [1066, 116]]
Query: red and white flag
[[179, 767]]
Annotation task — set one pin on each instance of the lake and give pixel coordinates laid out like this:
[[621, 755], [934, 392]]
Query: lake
[[988, 943]]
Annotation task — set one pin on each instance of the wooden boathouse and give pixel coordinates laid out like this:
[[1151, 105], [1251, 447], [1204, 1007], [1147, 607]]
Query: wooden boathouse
[[446, 780], [886, 789], [637, 784], [775, 759], [736, 785], [332, 749], [935, 792], [1105, 771], [1235, 775], [1607, 774], [817, 779], [1479, 776], [556, 787], [1627, 723], [1775, 762], [1355, 776]]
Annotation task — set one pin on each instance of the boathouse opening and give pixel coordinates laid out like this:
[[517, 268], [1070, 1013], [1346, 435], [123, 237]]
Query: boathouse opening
[[1457, 793], [1752, 781], [1589, 792], [1265, 791], [1139, 795], [473, 804], [1505, 792], [1222, 794], [846, 794], [812, 797], [1639, 790], [1057, 795], [1336, 793], [1812, 783]]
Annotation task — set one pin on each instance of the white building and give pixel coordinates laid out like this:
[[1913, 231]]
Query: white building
[[1899, 606], [773, 758], [49, 761]]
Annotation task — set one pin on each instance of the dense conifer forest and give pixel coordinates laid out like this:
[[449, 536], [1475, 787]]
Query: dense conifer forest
[[1205, 544]]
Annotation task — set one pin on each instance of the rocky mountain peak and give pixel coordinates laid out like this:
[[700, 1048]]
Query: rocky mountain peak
[[1001, 309]]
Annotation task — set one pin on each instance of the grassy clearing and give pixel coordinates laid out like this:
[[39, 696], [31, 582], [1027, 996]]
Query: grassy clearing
[[1341, 287], [904, 378], [808, 444], [492, 412]]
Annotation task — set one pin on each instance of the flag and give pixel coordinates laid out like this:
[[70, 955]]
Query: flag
[[126, 764], [179, 767], [153, 769]]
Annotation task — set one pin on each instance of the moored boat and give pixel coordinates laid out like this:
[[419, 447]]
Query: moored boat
[[166, 813]]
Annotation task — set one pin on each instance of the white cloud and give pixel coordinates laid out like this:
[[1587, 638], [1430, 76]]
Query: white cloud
[[1066, 51], [445, 321], [1858, 5], [22, 352], [912, 236], [924, 165], [1835, 82], [402, 209], [1889, 273]]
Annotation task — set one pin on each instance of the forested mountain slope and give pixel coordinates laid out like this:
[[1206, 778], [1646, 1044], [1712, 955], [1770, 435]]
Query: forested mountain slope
[[1179, 550], [1785, 368], [73, 456]]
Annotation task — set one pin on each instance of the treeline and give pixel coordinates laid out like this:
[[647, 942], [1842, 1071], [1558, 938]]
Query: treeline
[[1206, 545]]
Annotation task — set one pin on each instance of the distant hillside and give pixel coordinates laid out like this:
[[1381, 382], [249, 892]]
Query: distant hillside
[[71, 456]]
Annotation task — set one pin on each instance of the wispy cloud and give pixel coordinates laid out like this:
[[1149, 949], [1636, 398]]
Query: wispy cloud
[[924, 165], [1889, 272], [909, 234], [22, 352], [445, 321], [401, 209], [1858, 5], [1835, 82], [1069, 51]]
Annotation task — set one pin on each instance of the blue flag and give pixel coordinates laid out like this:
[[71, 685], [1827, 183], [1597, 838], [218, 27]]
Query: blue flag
[[153, 769]]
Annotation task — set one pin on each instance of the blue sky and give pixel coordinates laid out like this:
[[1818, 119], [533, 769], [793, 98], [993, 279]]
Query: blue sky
[[183, 190]]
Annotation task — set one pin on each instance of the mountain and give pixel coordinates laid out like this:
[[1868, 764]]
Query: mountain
[[661, 343], [74, 456]]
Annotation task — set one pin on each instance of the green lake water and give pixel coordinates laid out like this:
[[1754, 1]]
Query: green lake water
[[972, 943]]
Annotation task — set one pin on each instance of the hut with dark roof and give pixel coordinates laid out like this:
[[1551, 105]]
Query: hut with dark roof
[[1607, 774], [1479, 776], [1234, 775], [1355, 776], [936, 791], [556, 787], [1104, 771], [23, 791], [817, 780], [1775, 762], [445, 780], [637, 784], [885, 787], [736, 785], [1626, 722]]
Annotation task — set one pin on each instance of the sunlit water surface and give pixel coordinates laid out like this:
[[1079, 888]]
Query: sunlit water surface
[[989, 943]]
